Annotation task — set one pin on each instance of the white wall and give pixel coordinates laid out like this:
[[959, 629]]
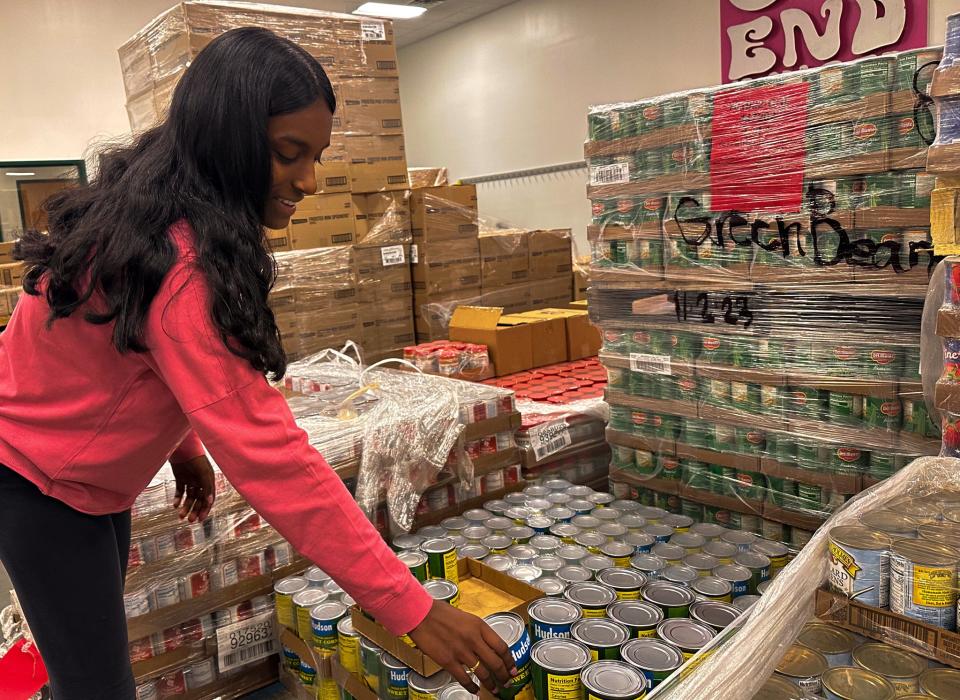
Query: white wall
[[510, 90]]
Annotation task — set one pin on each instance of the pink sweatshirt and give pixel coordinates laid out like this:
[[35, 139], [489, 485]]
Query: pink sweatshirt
[[91, 427]]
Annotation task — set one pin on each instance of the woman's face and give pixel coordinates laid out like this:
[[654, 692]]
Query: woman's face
[[297, 140]]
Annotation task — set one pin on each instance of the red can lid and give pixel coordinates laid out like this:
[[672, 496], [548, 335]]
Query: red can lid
[[559, 400], [538, 396]]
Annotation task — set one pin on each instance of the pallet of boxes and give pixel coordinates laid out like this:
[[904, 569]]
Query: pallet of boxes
[[760, 299], [357, 226], [11, 281]]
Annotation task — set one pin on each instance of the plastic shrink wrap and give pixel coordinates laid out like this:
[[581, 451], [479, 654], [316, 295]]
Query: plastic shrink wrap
[[760, 257]]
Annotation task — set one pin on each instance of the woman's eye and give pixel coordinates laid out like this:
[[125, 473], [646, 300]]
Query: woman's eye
[[284, 159]]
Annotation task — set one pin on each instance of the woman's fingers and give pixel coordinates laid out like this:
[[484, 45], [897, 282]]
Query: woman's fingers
[[498, 647]]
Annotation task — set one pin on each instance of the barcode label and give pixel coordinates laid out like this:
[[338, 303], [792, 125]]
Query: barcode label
[[414, 256], [650, 364], [615, 174], [246, 641], [392, 255], [549, 438], [373, 31]]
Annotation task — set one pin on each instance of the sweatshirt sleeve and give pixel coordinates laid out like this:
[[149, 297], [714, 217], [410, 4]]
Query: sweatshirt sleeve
[[189, 448], [251, 434]]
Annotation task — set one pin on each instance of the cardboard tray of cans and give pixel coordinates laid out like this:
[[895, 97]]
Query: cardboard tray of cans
[[483, 591], [897, 630]]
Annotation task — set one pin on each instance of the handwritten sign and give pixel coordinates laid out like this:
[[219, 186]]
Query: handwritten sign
[[759, 37]]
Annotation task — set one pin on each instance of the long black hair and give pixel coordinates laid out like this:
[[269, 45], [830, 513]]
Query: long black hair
[[208, 163]]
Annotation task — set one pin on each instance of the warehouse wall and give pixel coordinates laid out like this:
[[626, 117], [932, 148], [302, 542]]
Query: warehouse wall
[[510, 90]]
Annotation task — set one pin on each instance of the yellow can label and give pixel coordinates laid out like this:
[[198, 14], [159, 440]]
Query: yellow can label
[[692, 550], [725, 560], [498, 551], [564, 687], [349, 648], [933, 586], [419, 694], [526, 693], [406, 640], [304, 628], [329, 690], [284, 605], [594, 612], [687, 655], [372, 680], [449, 571], [594, 550], [622, 562], [681, 529], [646, 634], [628, 595], [567, 540], [905, 686], [594, 654]]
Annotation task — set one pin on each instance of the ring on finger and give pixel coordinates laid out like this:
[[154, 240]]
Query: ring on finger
[[473, 669]]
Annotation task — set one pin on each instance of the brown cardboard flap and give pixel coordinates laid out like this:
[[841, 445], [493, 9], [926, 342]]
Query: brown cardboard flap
[[483, 591], [898, 630], [484, 318]]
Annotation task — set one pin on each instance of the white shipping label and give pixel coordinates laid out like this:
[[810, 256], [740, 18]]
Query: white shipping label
[[414, 254], [392, 255], [373, 31], [549, 438], [650, 364], [615, 174], [244, 642]]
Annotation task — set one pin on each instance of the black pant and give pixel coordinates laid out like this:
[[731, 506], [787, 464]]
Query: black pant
[[68, 569]]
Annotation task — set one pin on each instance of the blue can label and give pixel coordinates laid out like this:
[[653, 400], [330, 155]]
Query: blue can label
[[739, 588], [324, 634], [546, 630], [397, 683]]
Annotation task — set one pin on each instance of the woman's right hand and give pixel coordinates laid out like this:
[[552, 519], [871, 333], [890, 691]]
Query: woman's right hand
[[457, 640]]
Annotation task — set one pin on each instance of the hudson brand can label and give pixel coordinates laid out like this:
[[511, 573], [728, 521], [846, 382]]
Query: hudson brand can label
[[653, 658], [324, 620], [513, 632], [860, 564], [394, 677], [552, 619], [923, 582]]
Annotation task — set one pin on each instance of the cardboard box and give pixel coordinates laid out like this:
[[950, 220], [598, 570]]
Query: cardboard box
[[6, 252], [551, 294], [457, 277], [510, 346], [278, 240], [432, 312], [383, 275], [514, 298], [504, 258], [370, 105], [333, 172], [382, 218], [444, 213], [427, 177], [11, 274], [322, 221], [483, 591], [377, 163], [582, 338], [367, 45], [581, 280], [550, 254], [548, 339]]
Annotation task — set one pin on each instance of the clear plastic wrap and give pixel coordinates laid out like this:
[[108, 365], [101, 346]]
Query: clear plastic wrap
[[760, 256], [407, 437], [924, 494], [427, 177], [463, 259], [358, 53], [316, 300]]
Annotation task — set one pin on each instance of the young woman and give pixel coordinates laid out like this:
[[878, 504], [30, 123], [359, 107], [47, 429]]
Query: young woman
[[144, 332]]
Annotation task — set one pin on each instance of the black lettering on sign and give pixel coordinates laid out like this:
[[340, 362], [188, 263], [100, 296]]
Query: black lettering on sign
[[707, 307], [829, 243]]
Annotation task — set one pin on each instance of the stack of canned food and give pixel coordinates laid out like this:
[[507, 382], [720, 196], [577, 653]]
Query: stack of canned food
[[632, 591], [828, 661], [902, 557]]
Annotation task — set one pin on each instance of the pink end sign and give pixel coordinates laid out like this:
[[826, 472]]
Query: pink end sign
[[758, 37], [759, 147]]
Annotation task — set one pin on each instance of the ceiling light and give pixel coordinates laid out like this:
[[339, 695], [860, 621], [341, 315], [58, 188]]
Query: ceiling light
[[386, 9], [20, 174]]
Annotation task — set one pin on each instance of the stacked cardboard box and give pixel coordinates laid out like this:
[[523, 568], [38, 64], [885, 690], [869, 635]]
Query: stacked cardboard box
[[446, 249], [359, 54], [316, 299]]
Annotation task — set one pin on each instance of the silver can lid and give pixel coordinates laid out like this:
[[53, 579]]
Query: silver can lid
[[635, 613], [440, 545], [613, 680], [687, 635], [473, 551], [574, 574], [525, 572], [560, 655], [500, 562], [554, 611], [549, 563], [550, 585], [652, 655], [590, 595], [441, 588], [620, 579], [599, 632]]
